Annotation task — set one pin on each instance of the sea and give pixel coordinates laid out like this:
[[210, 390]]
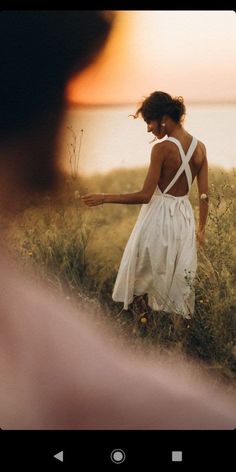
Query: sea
[[103, 138]]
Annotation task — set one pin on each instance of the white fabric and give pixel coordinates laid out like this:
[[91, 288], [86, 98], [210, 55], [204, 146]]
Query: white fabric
[[185, 160], [160, 257]]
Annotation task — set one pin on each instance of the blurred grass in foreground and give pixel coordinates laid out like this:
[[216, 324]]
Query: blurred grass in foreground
[[78, 250]]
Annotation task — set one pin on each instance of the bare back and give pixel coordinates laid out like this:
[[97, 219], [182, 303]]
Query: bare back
[[172, 162]]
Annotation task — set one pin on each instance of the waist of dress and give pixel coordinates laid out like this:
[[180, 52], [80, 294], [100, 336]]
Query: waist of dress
[[174, 204], [167, 195]]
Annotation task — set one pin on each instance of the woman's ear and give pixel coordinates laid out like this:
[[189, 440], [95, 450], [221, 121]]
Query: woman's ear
[[163, 120]]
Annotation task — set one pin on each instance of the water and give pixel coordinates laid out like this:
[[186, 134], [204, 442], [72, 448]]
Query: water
[[111, 139]]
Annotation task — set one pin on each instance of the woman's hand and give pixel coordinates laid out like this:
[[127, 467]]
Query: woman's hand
[[93, 199], [201, 236]]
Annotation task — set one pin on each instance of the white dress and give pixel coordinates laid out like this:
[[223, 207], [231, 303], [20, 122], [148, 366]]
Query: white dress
[[160, 257]]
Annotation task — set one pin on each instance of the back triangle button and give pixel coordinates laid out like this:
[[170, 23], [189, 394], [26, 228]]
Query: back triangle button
[[59, 456]]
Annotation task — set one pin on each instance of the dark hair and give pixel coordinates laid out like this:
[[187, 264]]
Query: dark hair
[[159, 104]]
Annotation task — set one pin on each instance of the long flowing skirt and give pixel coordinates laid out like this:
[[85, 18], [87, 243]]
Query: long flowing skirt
[[160, 257]]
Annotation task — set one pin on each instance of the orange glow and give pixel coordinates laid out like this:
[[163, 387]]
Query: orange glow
[[189, 53], [103, 80]]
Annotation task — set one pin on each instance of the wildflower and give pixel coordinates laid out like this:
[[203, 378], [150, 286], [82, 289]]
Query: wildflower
[[76, 194]]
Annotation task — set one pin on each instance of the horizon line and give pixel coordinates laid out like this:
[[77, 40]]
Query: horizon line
[[71, 104]]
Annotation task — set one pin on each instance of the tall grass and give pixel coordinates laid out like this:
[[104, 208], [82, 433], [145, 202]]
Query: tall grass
[[78, 250]]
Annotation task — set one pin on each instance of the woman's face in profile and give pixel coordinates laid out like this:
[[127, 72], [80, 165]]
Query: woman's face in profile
[[154, 127]]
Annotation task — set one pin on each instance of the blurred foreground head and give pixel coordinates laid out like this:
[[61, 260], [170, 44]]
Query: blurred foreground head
[[40, 51]]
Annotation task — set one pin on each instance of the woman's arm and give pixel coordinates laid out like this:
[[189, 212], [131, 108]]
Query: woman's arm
[[202, 181], [144, 195]]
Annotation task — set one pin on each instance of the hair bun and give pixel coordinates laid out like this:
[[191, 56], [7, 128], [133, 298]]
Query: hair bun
[[178, 100], [179, 107]]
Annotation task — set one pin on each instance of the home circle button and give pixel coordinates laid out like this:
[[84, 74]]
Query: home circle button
[[117, 456]]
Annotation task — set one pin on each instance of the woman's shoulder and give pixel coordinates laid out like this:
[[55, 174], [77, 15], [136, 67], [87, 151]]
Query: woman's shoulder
[[199, 142], [164, 149], [159, 151], [162, 146], [202, 149]]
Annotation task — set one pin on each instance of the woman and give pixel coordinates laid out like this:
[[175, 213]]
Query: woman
[[160, 258], [57, 369]]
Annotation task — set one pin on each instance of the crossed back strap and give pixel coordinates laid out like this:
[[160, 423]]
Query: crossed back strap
[[185, 162]]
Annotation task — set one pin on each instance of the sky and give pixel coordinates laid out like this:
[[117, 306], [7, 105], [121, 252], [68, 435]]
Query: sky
[[188, 53]]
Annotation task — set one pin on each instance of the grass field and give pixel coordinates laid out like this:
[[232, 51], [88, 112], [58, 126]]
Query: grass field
[[78, 250]]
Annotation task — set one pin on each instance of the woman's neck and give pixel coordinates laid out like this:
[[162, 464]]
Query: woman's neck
[[175, 130]]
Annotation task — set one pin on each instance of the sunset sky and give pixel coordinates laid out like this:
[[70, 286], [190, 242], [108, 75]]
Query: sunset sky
[[188, 53]]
